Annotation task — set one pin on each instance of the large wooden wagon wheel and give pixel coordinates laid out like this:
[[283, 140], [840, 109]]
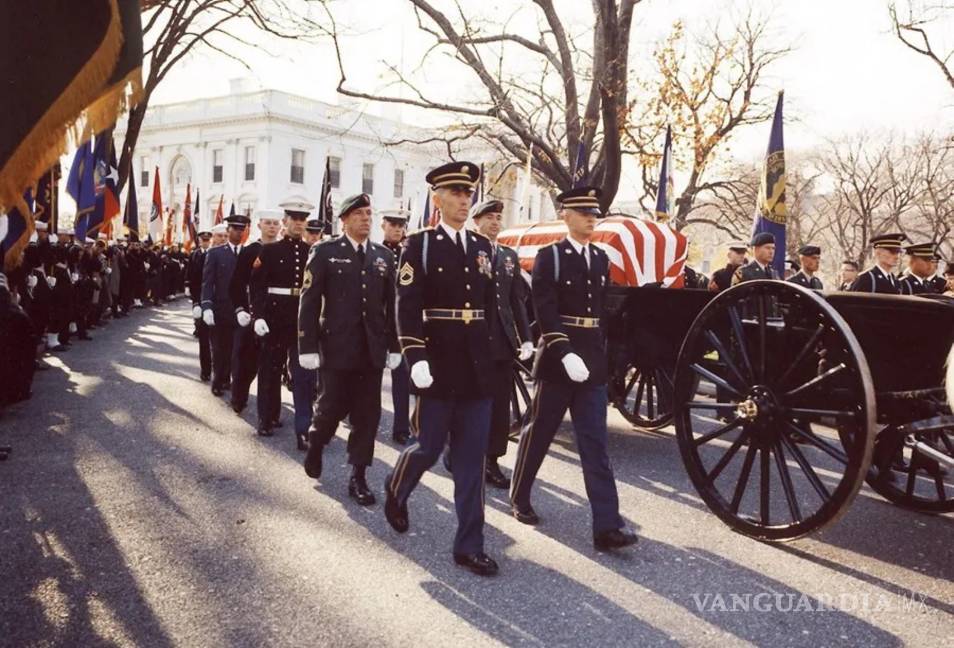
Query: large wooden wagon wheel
[[642, 393], [783, 448]]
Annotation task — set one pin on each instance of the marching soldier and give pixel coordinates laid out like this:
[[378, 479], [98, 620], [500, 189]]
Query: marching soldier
[[196, 262], [445, 291], [722, 279], [880, 277], [345, 326], [244, 354], [763, 251], [275, 288], [921, 266], [570, 281], [218, 311], [809, 257], [394, 227]]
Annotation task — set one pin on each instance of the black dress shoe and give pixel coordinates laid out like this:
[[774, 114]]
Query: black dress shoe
[[401, 437], [445, 457], [205, 378], [495, 476], [301, 439], [614, 539], [277, 423], [217, 391], [238, 408], [395, 514], [264, 430], [479, 563], [313, 457], [525, 514], [358, 490]]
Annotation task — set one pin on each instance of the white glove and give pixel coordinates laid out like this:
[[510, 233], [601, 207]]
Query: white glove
[[421, 374], [196, 312], [575, 367], [244, 319], [394, 360], [51, 282], [309, 361], [74, 277], [208, 317], [73, 327], [31, 281], [526, 350], [261, 328], [109, 270], [146, 266]]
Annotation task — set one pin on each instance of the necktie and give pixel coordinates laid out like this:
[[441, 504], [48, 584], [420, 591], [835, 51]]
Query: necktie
[[361, 255], [235, 250], [460, 243], [586, 255]]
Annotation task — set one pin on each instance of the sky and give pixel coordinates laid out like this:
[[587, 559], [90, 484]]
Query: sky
[[847, 73]]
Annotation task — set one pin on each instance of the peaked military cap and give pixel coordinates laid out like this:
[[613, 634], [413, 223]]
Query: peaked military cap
[[314, 225], [297, 209], [354, 202], [486, 207], [396, 216], [582, 199], [220, 228], [762, 238], [454, 174], [809, 250], [738, 246], [240, 221], [890, 241], [922, 250]]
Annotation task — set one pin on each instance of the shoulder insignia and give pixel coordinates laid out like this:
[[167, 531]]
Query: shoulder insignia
[[420, 231], [306, 280], [257, 263], [406, 276]]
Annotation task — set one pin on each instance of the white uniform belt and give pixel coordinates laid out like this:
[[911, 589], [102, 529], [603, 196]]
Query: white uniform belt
[[291, 292]]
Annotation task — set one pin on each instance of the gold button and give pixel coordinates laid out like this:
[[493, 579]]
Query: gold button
[[466, 304], [467, 286], [440, 269], [362, 272], [466, 269], [589, 310]]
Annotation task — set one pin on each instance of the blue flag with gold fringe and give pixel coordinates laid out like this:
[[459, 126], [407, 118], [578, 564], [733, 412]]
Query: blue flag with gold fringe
[[664, 191], [770, 215]]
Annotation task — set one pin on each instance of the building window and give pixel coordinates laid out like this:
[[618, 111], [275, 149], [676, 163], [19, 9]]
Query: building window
[[367, 178], [143, 171], [399, 183], [249, 163], [298, 166], [334, 167], [217, 165]]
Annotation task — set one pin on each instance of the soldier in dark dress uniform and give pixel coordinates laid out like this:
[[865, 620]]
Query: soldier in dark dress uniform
[[880, 277], [936, 281], [722, 278], [763, 251], [445, 293], [394, 226], [921, 266], [203, 333], [275, 288], [570, 282], [849, 272], [345, 325], [809, 257], [313, 231]]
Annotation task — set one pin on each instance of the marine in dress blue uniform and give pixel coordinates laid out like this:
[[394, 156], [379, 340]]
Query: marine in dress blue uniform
[[809, 255], [880, 278], [570, 281], [445, 292]]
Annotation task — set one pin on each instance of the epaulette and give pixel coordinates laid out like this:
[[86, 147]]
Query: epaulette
[[480, 235], [420, 231]]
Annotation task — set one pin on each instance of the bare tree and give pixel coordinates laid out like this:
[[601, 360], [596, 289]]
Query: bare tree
[[563, 93], [172, 29], [932, 214], [706, 87], [912, 26]]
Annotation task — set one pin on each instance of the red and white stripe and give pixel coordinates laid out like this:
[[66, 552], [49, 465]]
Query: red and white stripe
[[640, 252]]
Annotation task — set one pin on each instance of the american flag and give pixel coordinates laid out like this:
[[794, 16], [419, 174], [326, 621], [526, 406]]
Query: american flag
[[640, 252]]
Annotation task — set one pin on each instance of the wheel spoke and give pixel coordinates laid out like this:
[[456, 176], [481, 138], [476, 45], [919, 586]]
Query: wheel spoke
[[939, 485], [650, 401], [740, 338], [639, 393], [630, 383], [802, 354], [801, 412], [947, 442], [725, 356], [787, 485], [824, 446], [727, 457], [743, 479], [764, 476], [728, 427], [763, 326], [807, 469], [718, 407], [817, 380], [721, 382], [912, 474]]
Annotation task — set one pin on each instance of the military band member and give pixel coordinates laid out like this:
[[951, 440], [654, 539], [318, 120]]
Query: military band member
[[394, 229], [203, 332], [880, 277], [809, 257], [218, 311], [277, 276], [245, 354], [735, 257], [849, 272], [921, 266], [345, 327], [763, 252], [570, 281], [445, 291]]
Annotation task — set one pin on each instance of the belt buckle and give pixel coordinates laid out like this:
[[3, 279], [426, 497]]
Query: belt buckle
[[466, 315]]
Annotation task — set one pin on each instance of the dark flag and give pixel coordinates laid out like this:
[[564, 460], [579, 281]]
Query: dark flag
[[579, 167], [81, 185], [325, 205], [105, 179], [770, 215], [46, 208], [131, 215], [16, 228], [64, 60], [664, 190]]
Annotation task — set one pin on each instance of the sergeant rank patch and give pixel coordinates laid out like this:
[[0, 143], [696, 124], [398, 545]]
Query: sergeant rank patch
[[406, 276]]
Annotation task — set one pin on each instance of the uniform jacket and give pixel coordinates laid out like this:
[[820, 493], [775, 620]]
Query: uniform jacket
[[723, 277], [510, 326], [242, 277], [803, 279], [938, 284], [874, 280], [912, 285], [433, 274], [217, 272], [279, 265], [347, 309], [575, 290], [751, 271], [194, 274]]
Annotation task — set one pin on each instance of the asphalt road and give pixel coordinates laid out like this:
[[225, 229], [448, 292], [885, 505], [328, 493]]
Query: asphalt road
[[138, 509]]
